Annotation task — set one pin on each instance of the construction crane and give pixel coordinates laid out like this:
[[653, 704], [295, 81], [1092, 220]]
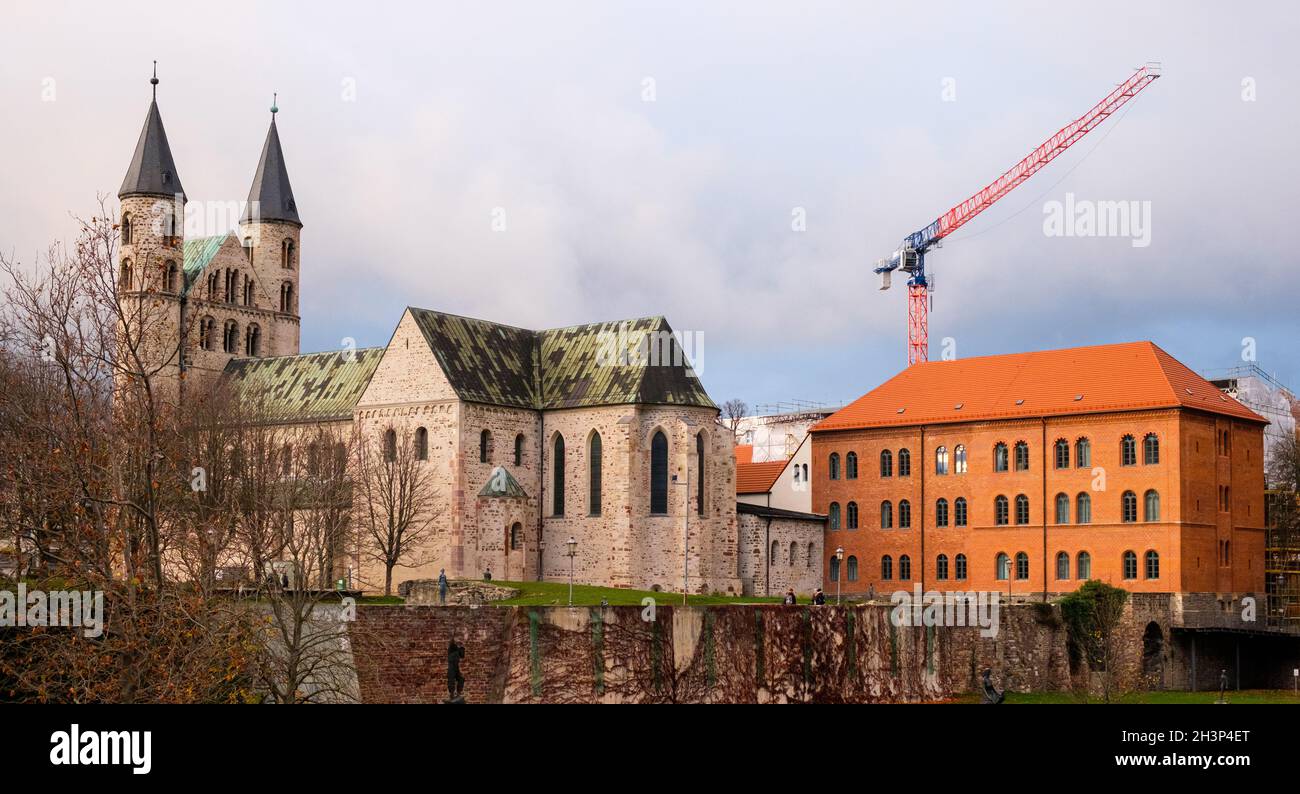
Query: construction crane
[[910, 256]]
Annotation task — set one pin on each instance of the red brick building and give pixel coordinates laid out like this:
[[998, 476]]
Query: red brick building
[[1033, 472]]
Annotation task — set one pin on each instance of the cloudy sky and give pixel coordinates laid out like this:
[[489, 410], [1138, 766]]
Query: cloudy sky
[[648, 160]]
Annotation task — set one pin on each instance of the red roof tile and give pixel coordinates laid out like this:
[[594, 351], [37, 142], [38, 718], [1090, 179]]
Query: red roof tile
[[1123, 377], [758, 477]]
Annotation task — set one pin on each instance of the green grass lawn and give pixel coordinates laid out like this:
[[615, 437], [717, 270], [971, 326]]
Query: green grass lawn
[[557, 594], [1168, 696]]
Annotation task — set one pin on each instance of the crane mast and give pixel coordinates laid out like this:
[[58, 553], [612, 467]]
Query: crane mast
[[910, 255]]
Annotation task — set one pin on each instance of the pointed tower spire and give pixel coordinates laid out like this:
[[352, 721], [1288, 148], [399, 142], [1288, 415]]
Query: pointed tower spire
[[271, 197], [152, 171]]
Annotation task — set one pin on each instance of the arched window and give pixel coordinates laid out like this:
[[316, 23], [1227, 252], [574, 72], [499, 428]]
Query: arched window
[[421, 443], [1062, 449], [797, 479], [659, 473], [835, 465], [519, 449], [124, 275], [1151, 449], [886, 515], [851, 466], [1062, 565], [851, 511], [594, 453], [999, 457], [960, 567], [1003, 566], [232, 285], [286, 297], [886, 567], [1083, 509], [557, 477], [127, 236], [248, 292], [214, 286], [794, 552], [516, 536], [1082, 453], [886, 463], [286, 253], [485, 446], [169, 226], [248, 249], [1130, 565], [775, 553], [805, 472], [941, 460], [834, 515], [1000, 512], [1062, 508], [208, 333], [699, 473], [1022, 509], [390, 445], [171, 278], [230, 337], [904, 568], [1022, 566], [313, 459], [835, 568], [904, 463], [941, 513], [812, 549], [959, 459], [1152, 565], [904, 514], [1152, 511], [959, 512], [853, 569], [1083, 565], [1129, 503], [941, 567], [1127, 451], [1022, 456], [252, 340]]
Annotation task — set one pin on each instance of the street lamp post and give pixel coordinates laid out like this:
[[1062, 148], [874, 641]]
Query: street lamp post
[[573, 552], [839, 573]]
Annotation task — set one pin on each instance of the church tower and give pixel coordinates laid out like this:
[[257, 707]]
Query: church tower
[[270, 231]]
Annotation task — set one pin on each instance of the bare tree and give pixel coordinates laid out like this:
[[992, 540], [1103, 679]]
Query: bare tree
[[395, 500], [733, 411]]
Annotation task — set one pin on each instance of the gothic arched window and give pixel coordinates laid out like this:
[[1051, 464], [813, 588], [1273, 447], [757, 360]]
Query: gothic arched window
[[659, 473]]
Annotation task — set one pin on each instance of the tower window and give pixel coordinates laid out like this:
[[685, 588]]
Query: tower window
[[659, 474], [286, 297], [170, 279], [286, 254], [248, 292], [230, 337], [127, 237], [124, 277], [213, 286], [253, 340]]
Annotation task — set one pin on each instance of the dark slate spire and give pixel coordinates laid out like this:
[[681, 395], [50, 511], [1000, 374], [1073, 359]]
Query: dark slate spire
[[152, 171], [271, 198]]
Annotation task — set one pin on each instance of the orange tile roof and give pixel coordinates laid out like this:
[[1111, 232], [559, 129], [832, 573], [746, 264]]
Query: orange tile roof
[[758, 477], [1123, 377], [744, 453]]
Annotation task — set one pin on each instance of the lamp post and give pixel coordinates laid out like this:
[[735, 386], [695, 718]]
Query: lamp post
[[839, 557], [572, 552]]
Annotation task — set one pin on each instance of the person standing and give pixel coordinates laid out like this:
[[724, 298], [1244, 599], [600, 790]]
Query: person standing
[[819, 598], [455, 681], [442, 587], [790, 600]]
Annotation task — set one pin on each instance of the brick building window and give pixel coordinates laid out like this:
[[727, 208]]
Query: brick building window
[[941, 567], [594, 453], [1022, 456], [126, 228], [1022, 566], [124, 275], [1000, 511], [812, 549], [214, 281], [1128, 451], [851, 466], [286, 298], [1129, 507], [557, 479], [904, 514], [1003, 566], [941, 460], [1062, 454], [886, 515], [516, 536], [1062, 508], [886, 567], [1130, 565], [170, 280], [904, 463], [959, 459], [794, 553], [852, 515], [390, 445], [1062, 565], [1083, 453], [1022, 509], [904, 568], [835, 568], [248, 291], [960, 567], [941, 513], [853, 569], [485, 446], [421, 443], [519, 449], [959, 512], [775, 552], [1151, 449], [1083, 565], [886, 463], [208, 333], [230, 337], [1083, 509], [253, 340], [700, 473], [1152, 565], [659, 473], [1151, 510], [286, 254], [834, 515], [999, 457], [835, 465]]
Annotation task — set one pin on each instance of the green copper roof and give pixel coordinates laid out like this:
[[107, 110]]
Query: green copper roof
[[313, 387], [581, 366], [502, 484], [198, 253]]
